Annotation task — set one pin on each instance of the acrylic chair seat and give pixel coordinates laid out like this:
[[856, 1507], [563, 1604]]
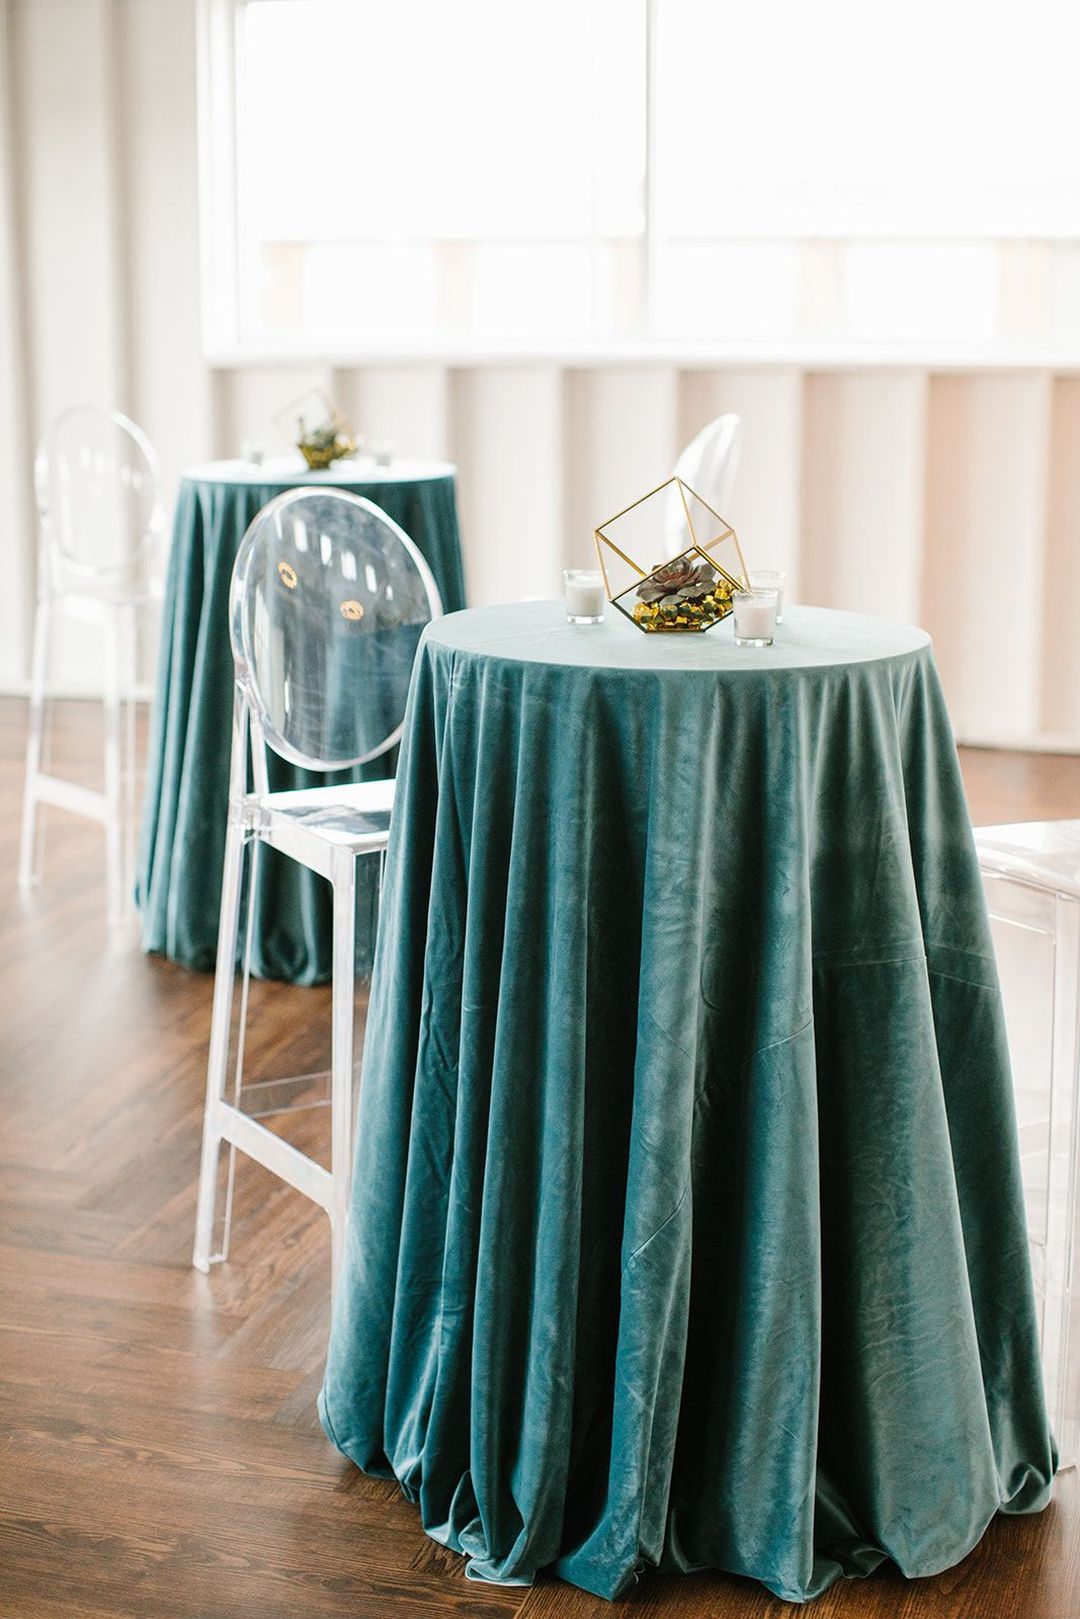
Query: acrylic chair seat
[[329, 598], [1031, 876], [355, 815], [1041, 852]]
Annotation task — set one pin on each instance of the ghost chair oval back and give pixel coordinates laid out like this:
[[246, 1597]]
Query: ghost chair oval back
[[101, 518], [328, 602], [710, 461]]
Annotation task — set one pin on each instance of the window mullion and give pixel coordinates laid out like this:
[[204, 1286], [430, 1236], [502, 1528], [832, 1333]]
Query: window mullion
[[649, 242]]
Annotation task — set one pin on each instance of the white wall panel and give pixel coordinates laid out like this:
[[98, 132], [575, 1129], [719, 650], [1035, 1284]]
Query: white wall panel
[[406, 404], [505, 435], [986, 503], [1061, 592], [247, 403], [621, 438], [63, 68], [73, 290], [16, 554], [765, 504], [863, 462], [170, 386]]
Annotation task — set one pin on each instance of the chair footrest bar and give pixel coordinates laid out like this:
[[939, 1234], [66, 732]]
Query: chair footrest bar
[[69, 795], [292, 1093], [278, 1156]]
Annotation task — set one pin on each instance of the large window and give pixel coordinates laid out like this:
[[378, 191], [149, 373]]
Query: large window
[[419, 175]]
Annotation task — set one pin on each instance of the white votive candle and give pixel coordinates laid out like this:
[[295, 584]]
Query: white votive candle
[[755, 617], [771, 579], [584, 595]]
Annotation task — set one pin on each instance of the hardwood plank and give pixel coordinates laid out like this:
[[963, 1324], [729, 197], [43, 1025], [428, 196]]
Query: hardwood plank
[[1003, 787]]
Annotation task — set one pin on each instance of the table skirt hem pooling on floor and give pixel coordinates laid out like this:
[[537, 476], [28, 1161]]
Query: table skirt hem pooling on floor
[[856, 1561]]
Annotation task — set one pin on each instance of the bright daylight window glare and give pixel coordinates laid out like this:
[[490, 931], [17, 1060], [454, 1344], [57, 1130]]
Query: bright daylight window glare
[[619, 170], [462, 169]]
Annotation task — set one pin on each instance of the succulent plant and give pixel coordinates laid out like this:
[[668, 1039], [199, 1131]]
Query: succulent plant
[[676, 582], [320, 438], [322, 446]]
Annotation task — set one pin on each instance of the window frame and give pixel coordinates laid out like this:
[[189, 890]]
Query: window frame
[[225, 344]]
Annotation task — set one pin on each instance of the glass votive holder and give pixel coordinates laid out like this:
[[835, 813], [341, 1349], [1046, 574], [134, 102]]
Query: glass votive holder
[[770, 579], [755, 617], [382, 451], [584, 595]]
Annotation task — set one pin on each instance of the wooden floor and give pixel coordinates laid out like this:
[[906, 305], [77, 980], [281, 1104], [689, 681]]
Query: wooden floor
[[159, 1452]]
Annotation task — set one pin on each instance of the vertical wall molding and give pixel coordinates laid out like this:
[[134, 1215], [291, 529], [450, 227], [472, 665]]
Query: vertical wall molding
[[16, 600], [172, 390], [864, 458], [1060, 668], [506, 438], [986, 509], [766, 506], [117, 222]]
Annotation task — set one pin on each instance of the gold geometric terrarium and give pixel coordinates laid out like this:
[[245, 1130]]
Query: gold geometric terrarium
[[692, 590], [323, 434]]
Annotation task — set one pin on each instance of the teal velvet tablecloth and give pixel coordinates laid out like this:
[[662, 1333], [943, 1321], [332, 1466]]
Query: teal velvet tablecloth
[[687, 1224], [178, 887]]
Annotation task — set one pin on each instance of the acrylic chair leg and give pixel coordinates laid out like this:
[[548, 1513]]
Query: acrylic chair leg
[[218, 1060], [46, 766], [130, 777], [343, 1009], [221, 1246], [30, 843], [114, 827]]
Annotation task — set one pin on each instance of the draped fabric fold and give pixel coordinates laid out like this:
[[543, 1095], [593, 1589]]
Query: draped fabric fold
[[687, 1225], [178, 886]]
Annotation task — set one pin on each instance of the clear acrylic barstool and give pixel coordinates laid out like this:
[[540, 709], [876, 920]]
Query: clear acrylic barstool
[[1031, 875], [329, 599], [101, 519]]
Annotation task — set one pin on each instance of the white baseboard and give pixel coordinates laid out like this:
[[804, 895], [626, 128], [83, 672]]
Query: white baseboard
[[1041, 742], [144, 691]]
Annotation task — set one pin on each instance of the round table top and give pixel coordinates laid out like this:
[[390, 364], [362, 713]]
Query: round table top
[[290, 470], [537, 632]]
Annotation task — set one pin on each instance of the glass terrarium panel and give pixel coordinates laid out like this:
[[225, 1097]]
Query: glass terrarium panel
[[688, 593], [659, 530], [318, 428], [621, 569], [713, 534], [650, 531]]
